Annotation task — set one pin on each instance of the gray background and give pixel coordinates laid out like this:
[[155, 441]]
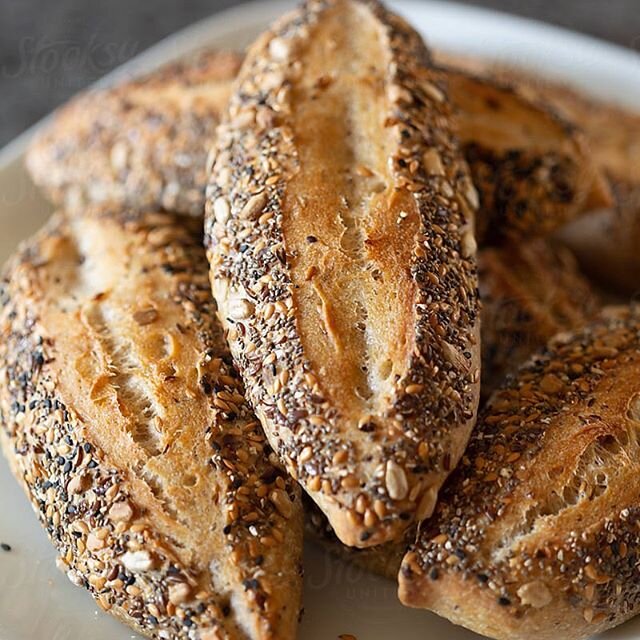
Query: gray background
[[50, 49]]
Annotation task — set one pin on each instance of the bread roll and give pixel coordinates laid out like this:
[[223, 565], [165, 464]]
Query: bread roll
[[535, 535], [140, 145], [604, 241], [340, 234], [532, 168], [123, 418], [144, 143]]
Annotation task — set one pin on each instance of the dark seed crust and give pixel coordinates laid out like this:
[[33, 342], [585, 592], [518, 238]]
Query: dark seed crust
[[536, 531], [211, 570], [522, 192], [394, 472]]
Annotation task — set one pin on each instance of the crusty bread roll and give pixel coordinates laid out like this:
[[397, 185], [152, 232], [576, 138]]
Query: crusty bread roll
[[604, 241], [340, 234], [535, 535], [533, 169], [124, 420], [530, 291], [144, 143], [140, 145]]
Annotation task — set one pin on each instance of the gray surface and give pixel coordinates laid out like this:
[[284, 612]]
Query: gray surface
[[50, 49]]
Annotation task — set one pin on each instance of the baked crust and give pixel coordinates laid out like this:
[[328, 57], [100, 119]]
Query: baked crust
[[140, 145], [124, 420], [535, 533], [144, 144], [530, 292], [606, 242], [344, 269]]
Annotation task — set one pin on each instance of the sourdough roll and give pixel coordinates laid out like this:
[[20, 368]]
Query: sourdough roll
[[340, 235], [124, 420], [141, 144], [533, 168], [535, 535]]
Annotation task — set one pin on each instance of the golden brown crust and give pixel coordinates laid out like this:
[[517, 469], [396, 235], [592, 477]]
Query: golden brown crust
[[140, 145], [369, 413], [535, 534], [533, 169], [530, 291], [123, 418], [606, 241], [144, 144]]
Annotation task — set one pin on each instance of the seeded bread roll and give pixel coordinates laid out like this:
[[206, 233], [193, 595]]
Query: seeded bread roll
[[530, 291], [344, 266], [604, 241], [144, 144], [140, 145], [123, 418], [533, 169], [535, 535]]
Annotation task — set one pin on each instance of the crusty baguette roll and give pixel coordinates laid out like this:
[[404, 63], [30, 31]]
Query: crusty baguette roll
[[533, 169], [605, 241], [340, 235], [124, 420], [140, 145], [530, 291], [535, 535]]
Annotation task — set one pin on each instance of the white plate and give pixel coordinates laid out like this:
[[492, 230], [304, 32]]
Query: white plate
[[36, 601]]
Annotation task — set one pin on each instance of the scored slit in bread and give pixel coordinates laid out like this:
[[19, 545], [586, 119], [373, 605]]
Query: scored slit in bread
[[530, 292], [124, 420]]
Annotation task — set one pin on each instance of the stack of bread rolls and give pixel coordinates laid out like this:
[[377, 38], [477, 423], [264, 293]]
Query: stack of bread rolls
[[383, 312]]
